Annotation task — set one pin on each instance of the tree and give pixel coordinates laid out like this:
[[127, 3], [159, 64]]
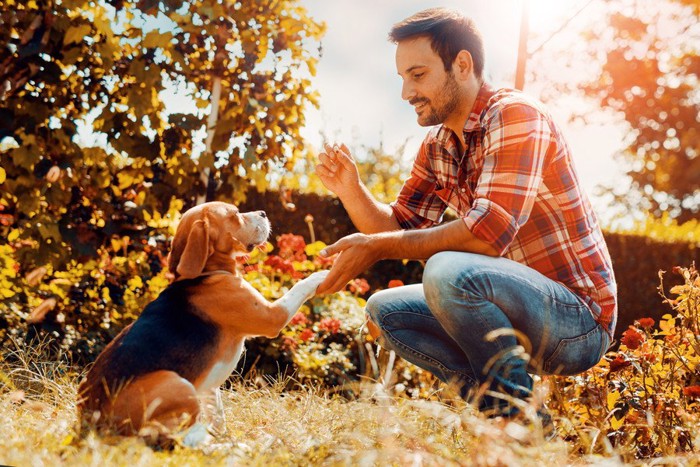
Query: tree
[[645, 57], [103, 65]]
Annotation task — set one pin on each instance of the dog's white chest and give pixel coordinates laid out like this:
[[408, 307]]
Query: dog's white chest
[[221, 370]]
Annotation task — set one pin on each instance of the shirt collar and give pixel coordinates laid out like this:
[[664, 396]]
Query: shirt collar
[[482, 97]]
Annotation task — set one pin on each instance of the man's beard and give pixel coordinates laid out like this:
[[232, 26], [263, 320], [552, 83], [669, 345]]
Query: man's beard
[[446, 103]]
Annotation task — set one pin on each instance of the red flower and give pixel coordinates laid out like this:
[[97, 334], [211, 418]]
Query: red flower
[[331, 325], [288, 343], [306, 335], [359, 286], [395, 283], [299, 318], [692, 391], [632, 338], [646, 323], [619, 363], [292, 247], [279, 264]]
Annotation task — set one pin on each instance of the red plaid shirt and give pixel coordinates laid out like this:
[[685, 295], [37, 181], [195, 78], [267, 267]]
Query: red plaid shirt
[[516, 189]]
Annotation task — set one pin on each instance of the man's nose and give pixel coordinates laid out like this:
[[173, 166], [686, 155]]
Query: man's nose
[[407, 91]]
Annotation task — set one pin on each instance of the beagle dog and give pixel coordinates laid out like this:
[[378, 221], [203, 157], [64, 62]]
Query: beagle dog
[[149, 380]]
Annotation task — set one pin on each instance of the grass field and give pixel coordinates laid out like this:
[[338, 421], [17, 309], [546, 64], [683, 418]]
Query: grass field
[[268, 426]]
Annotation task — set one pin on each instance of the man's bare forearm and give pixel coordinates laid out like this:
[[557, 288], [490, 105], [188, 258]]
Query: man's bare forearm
[[423, 243], [360, 251], [367, 213]]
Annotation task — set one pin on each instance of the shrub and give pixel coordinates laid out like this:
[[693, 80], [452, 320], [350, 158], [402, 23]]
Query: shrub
[[644, 399]]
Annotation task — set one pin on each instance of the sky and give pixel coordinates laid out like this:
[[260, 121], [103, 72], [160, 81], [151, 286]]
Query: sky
[[360, 102]]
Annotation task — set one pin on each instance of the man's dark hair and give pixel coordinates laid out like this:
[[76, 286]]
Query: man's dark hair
[[449, 32]]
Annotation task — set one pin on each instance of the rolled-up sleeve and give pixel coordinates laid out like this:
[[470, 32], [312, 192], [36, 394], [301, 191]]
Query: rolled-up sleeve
[[516, 142], [418, 205]]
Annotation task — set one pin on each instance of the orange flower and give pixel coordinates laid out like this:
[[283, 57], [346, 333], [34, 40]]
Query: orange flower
[[632, 338], [395, 283]]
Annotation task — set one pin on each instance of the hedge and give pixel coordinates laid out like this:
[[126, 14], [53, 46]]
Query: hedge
[[637, 260]]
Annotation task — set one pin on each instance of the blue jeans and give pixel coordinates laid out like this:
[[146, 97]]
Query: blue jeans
[[443, 326]]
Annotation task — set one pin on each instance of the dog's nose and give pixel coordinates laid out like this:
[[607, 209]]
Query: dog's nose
[[262, 214]]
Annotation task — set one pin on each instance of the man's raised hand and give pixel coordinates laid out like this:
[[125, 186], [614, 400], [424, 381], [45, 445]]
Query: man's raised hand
[[338, 170]]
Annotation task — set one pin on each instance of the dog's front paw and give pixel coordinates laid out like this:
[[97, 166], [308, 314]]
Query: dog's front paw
[[317, 278]]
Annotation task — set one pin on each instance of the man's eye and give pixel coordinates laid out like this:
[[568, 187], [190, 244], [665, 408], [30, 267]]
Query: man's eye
[[418, 75]]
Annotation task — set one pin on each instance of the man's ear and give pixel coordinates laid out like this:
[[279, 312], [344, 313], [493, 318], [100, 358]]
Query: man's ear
[[189, 254], [463, 64]]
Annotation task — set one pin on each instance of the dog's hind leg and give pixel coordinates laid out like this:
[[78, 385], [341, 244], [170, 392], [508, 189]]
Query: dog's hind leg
[[156, 405]]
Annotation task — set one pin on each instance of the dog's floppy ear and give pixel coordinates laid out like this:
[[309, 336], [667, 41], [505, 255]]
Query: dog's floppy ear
[[189, 255]]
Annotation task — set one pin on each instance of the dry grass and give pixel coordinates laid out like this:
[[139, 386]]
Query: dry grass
[[267, 426]]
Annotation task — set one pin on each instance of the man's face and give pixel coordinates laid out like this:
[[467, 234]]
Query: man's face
[[432, 91]]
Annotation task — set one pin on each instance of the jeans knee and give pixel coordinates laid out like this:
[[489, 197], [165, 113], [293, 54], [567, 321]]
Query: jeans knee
[[451, 277], [374, 308], [437, 270], [440, 278]]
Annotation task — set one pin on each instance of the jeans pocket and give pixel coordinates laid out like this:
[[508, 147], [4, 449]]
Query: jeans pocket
[[576, 354]]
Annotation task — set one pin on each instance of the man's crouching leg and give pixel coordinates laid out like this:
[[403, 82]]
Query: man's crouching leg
[[402, 321]]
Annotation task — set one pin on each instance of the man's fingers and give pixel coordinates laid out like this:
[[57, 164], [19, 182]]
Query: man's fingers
[[331, 284], [330, 250], [327, 161], [322, 171], [344, 157]]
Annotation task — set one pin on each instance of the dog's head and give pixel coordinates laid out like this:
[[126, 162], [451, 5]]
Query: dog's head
[[216, 232]]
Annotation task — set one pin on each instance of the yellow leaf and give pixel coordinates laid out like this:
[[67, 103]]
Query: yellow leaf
[[615, 423], [3, 175], [157, 39], [125, 180], [76, 34], [6, 293], [677, 289], [67, 440], [14, 235], [667, 324], [613, 397], [116, 244]]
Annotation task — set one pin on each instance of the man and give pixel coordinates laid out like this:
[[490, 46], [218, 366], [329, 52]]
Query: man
[[525, 261]]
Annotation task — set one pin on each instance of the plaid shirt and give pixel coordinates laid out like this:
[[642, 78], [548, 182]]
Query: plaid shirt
[[516, 189]]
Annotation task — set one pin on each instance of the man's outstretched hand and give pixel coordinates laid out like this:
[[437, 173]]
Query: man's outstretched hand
[[358, 252]]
